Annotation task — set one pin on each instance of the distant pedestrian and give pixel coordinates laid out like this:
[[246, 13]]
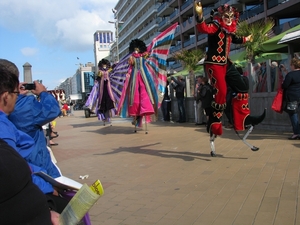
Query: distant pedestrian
[[166, 103], [291, 87], [206, 97], [179, 86], [71, 108], [199, 112]]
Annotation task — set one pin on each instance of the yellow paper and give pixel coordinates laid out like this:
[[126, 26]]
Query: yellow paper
[[97, 188]]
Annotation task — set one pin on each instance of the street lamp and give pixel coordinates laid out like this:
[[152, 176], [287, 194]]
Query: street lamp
[[116, 22]]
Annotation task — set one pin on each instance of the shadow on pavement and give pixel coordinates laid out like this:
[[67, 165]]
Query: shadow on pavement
[[186, 156]]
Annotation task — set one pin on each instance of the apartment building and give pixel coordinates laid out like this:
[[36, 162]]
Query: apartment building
[[284, 12], [135, 19], [146, 19]]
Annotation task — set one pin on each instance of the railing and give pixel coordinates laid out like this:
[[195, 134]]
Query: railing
[[207, 10], [252, 12], [175, 48], [163, 22], [162, 6], [189, 42], [201, 37], [273, 3], [176, 65], [173, 14], [186, 4], [133, 28]]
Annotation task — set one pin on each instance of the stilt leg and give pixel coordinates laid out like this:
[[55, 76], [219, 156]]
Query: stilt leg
[[146, 128], [134, 123], [110, 116], [253, 148], [212, 144]]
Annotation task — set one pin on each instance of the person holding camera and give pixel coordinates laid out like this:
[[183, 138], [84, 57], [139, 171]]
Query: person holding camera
[[36, 112]]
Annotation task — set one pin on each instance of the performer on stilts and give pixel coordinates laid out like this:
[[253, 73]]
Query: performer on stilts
[[101, 99], [146, 78], [221, 71], [139, 92]]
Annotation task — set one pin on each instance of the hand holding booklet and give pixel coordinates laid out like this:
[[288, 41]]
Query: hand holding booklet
[[82, 200], [81, 203]]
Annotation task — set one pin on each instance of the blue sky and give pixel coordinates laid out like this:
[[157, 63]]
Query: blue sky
[[51, 34]]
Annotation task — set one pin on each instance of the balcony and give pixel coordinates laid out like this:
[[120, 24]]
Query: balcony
[[186, 4], [223, 2], [189, 42], [274, 3], [201, 37], [173, 14], [188, 24], [130, 27], [164, 9], [283, 8], [254, 11], [175, 48]]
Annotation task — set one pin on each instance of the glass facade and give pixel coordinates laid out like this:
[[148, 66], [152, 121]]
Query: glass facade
[[89, 78]]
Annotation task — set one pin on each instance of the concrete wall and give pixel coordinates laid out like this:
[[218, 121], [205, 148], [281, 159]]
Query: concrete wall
[[273, 121]]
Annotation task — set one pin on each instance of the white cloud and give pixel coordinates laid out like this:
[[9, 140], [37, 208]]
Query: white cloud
[[29, 51], [68, 24]]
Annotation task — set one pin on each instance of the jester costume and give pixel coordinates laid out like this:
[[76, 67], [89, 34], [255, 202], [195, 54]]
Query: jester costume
[[146, 76], [221, 71]]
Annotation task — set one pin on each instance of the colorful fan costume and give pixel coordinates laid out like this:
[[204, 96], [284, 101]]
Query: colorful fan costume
[[221, 71], [101, 99], [146, 77]]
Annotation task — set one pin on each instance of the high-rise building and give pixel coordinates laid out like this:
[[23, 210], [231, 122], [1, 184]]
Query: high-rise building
[[103, 40], [284, 13], [134, 19]]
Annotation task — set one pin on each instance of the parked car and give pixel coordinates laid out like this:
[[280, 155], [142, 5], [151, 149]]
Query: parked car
[[88, 112], [78, 106]]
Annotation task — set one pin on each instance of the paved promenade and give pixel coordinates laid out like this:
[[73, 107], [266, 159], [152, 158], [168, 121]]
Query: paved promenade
[[167, 177]]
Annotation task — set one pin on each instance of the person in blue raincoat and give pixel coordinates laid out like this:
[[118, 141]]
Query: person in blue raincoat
[[29, 115], [20, 141]]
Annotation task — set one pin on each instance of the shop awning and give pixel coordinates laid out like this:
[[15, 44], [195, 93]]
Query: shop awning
[[199, 71], [290, 37], [273, 43], [239, 57]]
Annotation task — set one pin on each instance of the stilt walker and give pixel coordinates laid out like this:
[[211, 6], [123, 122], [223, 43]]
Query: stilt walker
[[146, 77], [101, 100], [220, 70]]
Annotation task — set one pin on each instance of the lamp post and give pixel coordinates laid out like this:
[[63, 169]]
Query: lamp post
[[116, 22]]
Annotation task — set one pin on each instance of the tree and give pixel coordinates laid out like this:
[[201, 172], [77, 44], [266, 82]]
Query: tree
[[189, 60], [260, 30]]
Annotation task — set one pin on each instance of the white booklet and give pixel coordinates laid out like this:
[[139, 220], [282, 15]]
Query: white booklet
[[61, 182]]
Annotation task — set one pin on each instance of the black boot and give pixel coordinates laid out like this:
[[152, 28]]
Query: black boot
[[254, 120]]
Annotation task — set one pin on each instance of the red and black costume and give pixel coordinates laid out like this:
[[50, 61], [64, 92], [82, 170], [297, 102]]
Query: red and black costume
[[222, 72]]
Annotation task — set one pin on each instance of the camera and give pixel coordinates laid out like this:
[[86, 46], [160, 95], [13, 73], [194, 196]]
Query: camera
[[29, 86]]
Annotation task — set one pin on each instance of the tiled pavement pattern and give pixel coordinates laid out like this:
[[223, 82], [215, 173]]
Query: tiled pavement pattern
[[168, 176]]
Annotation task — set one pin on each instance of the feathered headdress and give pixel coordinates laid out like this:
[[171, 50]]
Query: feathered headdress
[[104, 62], [137, 43], [221, 10]]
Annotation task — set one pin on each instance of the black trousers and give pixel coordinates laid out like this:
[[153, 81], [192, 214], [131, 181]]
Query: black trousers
[[56, 203]]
